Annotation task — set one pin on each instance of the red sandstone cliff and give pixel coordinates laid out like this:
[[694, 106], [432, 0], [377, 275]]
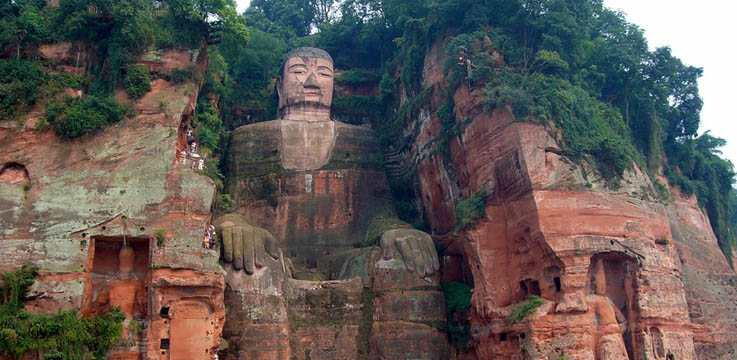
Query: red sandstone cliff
[[622, 275]]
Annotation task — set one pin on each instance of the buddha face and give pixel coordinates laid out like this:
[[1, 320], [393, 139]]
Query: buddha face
[[306, 85]]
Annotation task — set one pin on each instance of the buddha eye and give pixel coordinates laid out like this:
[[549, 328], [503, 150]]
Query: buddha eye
[[298, 72], [325, 75]]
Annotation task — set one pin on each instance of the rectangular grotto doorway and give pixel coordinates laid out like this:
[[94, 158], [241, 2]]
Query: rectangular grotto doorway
[[119, 269]]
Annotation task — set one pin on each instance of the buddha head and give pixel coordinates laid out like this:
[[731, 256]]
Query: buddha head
[[305, 86]]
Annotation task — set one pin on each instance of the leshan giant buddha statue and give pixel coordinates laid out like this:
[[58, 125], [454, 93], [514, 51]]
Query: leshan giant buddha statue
[[318, 265]]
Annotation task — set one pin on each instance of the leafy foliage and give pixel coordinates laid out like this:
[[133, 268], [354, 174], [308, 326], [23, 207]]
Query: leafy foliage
[[72, 118], [701, 171], [211, 170], [254, 65], [19, 86], [23, 25], [178, 76], [160, 237], [457, 302], [224, 203], [469, 211], [588, 126], [528, 307], [116, 29], [137, 81], [209, 21], [295, 15], [62, 335], [209, 125], [358, 76]]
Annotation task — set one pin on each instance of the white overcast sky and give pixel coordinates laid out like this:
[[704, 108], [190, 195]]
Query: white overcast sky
[[701, 33]]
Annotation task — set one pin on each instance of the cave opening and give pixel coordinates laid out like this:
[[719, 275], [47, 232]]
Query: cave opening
[[14, 173], [530, 287], [551, 281]]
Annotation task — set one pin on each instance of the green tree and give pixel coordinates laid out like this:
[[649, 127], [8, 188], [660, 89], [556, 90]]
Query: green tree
[[208, 20], [73, 118], [62, 335], [117, 29], [298, 15], [137, 81], [23, 24]]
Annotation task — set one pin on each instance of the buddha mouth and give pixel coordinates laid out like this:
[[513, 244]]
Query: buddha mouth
[[312, 91]]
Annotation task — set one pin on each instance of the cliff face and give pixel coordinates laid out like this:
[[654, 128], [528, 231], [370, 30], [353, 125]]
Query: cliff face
[[709, 282], [621, 274], [69, 207]]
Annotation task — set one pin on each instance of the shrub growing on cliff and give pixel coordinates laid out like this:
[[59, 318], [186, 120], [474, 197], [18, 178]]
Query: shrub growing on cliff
[[19, 86], [528, 307], [137, 81], [71, 118], [178, 76], [358, 76], [470, 210], [62, 335], [212, 171], [160, 237], [224, 203], [588, 126], [457, 301]]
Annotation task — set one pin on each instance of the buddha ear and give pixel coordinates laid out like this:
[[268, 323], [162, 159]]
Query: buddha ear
[[278, 86]]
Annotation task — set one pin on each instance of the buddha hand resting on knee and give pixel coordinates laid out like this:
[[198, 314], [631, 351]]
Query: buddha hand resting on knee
[[413, 247], [244, 245]]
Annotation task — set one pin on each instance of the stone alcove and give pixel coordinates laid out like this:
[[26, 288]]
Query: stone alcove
[[14, 184], [613, 275], [14, 173], [119, 271]]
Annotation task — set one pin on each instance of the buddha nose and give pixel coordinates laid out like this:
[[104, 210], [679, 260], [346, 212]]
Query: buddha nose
[[311, 81]]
